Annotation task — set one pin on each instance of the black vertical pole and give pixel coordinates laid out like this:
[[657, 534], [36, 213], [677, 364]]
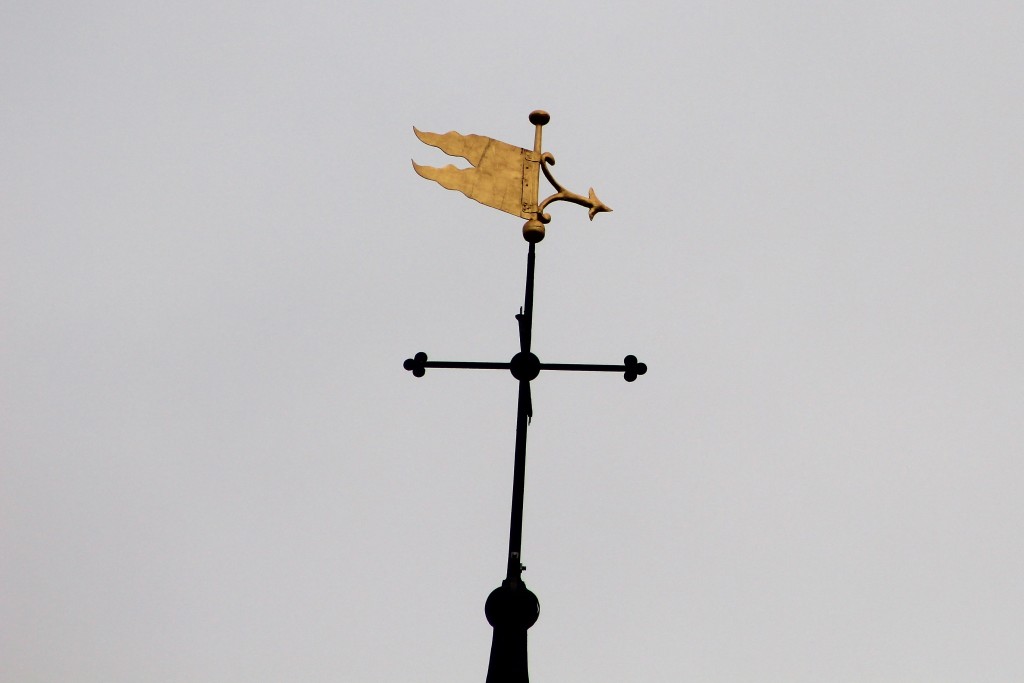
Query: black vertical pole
[[526, 337], [512, 608], [524, 411], [515, 534]]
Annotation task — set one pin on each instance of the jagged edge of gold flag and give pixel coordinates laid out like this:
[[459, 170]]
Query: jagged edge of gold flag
[[501, 175]]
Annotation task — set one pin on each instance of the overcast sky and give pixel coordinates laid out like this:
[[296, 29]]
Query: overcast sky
[[216, 256]]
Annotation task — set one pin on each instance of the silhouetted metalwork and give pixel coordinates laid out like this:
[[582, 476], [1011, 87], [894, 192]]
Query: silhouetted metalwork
[[512, 608]]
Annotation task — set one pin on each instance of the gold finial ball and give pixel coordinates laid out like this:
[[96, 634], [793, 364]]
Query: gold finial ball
[[533, 231], [539, 117]]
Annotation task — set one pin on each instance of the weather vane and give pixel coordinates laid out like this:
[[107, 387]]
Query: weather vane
[[507, 177], [504, 176]]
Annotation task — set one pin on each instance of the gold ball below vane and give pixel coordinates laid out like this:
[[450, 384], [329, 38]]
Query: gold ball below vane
[[533, 231]]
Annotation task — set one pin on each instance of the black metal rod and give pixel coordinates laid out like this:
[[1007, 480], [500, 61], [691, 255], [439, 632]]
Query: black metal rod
[[523, 414], [526, 321], [515, 534], [473, 365], [511, 609], [465, 365], [582, 368]]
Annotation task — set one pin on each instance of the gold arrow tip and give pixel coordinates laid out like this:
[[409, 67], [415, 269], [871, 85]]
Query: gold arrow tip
[[596, 205]]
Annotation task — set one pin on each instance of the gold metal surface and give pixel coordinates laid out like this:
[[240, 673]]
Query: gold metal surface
[[504, 176], [501, 175], [595, 205]]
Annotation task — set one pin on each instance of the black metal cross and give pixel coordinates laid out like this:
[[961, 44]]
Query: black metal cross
[[512, 608]]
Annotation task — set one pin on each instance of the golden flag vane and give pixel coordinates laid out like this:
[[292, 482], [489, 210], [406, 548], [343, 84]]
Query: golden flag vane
[[504, 176]]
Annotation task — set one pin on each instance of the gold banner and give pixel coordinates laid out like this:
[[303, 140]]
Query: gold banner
[[502, 176]]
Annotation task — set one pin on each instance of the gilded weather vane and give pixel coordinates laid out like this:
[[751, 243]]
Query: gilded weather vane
[[506, 177]]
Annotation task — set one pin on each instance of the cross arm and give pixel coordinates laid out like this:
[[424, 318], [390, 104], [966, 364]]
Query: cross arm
[[418, 365], [630, 367], [526, 366]]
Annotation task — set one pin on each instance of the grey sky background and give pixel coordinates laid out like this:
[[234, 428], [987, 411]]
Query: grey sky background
[[216, 257]]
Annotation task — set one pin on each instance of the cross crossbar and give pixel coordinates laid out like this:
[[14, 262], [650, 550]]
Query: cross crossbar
[[630, 367]]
